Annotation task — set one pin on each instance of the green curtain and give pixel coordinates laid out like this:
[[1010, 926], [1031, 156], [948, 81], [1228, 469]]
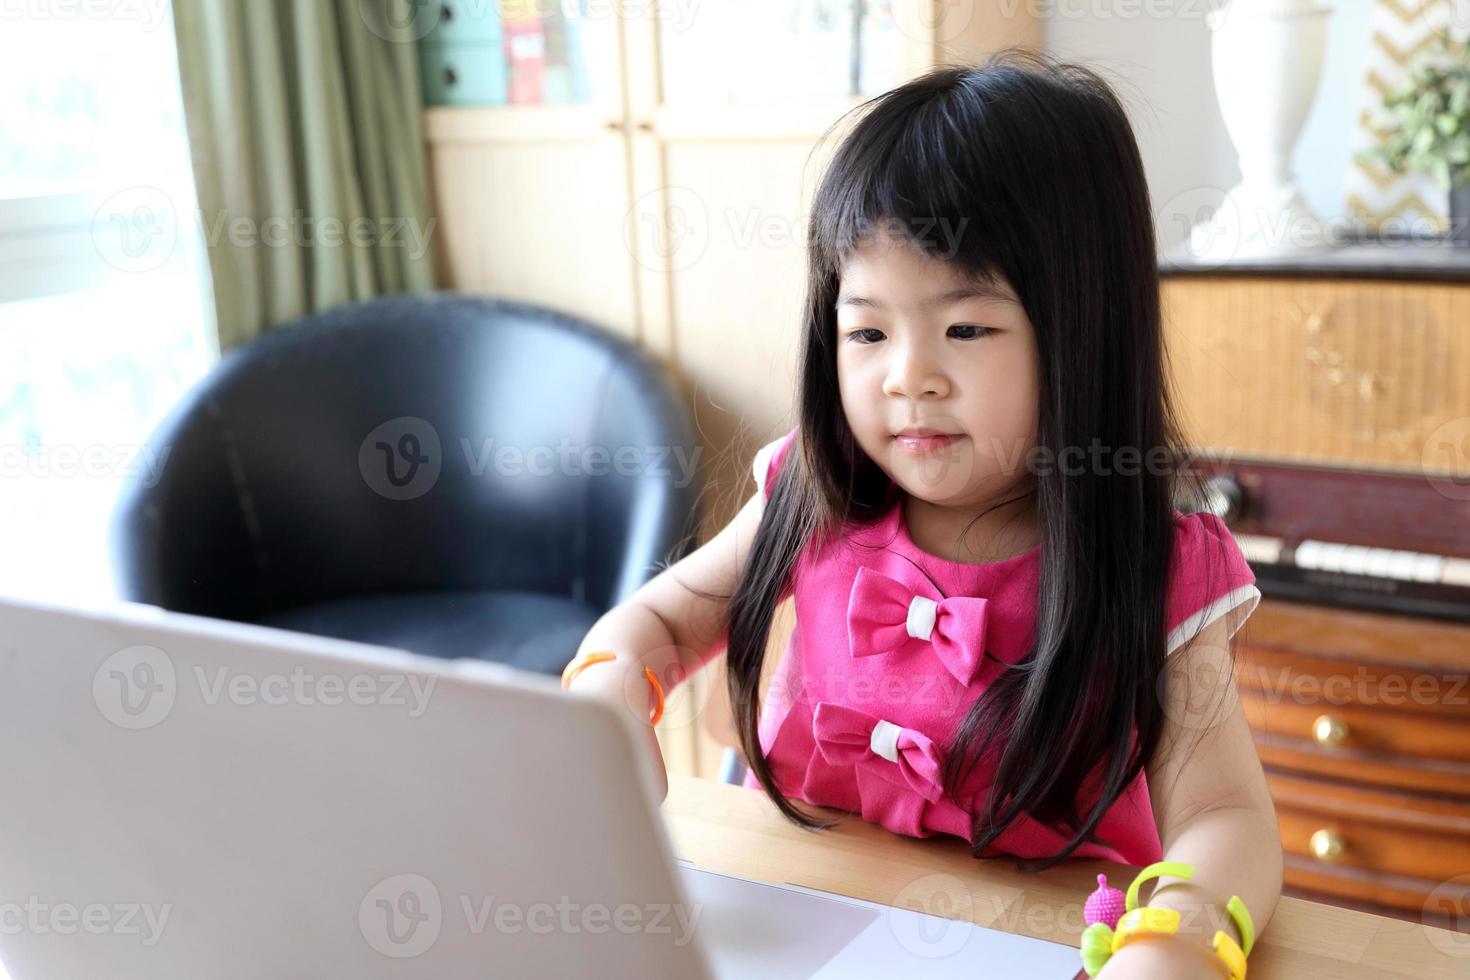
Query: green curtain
[[305, 130]]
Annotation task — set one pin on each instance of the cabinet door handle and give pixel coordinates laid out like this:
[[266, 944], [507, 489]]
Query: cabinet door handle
[[451, 77], [1327, 846], [1329, 731]]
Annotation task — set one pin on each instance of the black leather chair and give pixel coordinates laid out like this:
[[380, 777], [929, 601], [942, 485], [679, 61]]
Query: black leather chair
[[355, 474]]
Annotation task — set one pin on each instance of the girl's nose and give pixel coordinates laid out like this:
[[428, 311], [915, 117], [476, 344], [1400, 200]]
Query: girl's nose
[[914, 375]]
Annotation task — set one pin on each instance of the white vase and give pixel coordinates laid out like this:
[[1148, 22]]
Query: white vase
[[1267, 60]]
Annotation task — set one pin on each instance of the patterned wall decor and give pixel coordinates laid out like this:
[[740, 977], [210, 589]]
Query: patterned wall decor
[[1381, 199]]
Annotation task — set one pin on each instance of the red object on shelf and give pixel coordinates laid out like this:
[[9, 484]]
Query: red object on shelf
[[525, 59]]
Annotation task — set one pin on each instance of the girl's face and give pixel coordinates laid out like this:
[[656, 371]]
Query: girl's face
[[919, 348]]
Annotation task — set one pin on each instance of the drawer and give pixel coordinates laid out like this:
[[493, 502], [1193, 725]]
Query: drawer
[[466, 22], [1391, 772], [1376, 733], [1394, 848], [463, 74]]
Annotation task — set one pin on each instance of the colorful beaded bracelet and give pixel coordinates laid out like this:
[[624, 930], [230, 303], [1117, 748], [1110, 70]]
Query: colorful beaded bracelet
[[1114, 919]]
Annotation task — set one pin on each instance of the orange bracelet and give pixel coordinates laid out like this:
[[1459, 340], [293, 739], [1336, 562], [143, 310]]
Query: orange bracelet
[[572, 669], [658, 689]]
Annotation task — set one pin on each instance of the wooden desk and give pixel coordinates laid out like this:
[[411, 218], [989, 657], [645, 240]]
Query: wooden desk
[[737, 830]]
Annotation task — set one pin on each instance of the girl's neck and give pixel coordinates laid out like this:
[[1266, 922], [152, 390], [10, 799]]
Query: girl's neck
[[978, 534]]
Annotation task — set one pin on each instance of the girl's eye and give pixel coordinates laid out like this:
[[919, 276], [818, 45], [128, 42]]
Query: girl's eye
[[969, 331], [865, 336]]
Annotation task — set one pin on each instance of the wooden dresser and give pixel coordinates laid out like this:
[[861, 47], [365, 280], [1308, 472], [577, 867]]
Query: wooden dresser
[[1363, 723], [1350, 368]]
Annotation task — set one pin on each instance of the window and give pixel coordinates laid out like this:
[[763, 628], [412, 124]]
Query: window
[[104, 305]]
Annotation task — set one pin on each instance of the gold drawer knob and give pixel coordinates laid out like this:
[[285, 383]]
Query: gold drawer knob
[[1327, 845], [1329, 730]]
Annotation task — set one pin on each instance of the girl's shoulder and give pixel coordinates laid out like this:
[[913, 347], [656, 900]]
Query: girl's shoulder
[[768, 461], [1209, 578]]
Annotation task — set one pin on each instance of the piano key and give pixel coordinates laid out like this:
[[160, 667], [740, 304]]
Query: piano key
[[1455, 571], [1401, 565], [1427, 567], [1309, 554], [1355, 559], [1259, 548]]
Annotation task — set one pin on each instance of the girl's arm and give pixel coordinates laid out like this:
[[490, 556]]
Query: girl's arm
[[669, 628], [1213, 811]]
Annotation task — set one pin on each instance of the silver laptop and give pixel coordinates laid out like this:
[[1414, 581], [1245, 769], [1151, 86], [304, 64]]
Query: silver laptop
[[183, 797]]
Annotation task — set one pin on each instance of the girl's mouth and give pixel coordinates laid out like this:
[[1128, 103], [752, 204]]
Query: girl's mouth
[[924, 445]]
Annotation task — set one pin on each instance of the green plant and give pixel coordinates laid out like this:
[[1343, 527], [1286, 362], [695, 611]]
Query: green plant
[[1424, 124]]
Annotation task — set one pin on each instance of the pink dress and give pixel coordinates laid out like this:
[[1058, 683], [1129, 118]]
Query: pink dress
[[888, 655]]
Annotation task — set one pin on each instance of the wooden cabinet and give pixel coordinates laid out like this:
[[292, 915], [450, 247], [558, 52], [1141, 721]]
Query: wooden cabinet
[[1355, 361], [1362, 721]]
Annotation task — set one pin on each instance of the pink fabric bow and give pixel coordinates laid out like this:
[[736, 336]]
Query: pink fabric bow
[[885, 615], [849, 737]]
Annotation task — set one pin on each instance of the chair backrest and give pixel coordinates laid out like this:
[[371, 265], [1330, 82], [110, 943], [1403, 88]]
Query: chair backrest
[[436, 442]]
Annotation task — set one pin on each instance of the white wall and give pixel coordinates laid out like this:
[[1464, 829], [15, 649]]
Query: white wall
[[1161, 66]]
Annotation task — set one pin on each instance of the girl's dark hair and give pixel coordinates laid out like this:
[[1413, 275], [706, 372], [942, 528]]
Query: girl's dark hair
[[1036, 162]]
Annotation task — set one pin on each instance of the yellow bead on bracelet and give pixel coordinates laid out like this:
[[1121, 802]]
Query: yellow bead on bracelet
[[1145, 921]]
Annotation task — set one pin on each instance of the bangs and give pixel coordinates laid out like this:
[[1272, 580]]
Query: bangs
[[910, 174]]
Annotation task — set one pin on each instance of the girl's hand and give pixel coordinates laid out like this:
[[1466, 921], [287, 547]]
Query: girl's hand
[[1163, 958]]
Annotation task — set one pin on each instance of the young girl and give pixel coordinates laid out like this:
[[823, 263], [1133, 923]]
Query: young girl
[[1011, 625]]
